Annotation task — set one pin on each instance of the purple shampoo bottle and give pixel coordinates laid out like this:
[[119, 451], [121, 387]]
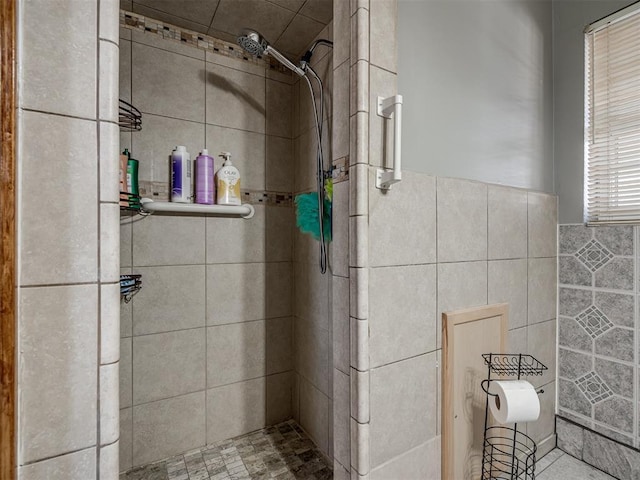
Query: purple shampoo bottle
[[205, 186]]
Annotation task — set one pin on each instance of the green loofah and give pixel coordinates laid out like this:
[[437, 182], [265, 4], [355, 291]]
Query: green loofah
[[307, 215]]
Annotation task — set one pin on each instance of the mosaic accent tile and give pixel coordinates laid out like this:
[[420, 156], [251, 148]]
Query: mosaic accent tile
[[592, 386], [594, 322], [594, 255], [134, 21], [280, 452]]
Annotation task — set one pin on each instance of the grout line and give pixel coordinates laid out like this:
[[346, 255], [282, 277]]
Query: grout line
[[64, 115], [99, 50]]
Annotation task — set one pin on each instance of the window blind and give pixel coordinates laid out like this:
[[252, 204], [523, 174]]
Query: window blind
[[612, 119]]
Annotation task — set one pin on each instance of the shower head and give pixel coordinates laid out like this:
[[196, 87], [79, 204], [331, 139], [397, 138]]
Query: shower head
[[255, 44]]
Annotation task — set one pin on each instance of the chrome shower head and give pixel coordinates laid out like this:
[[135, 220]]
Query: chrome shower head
[[252, 42], [255, 44]]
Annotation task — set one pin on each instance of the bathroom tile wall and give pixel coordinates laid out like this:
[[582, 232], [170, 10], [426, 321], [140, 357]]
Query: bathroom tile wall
[[321, 308], [207, 344], [427, 246], [598, 325], [68, 250]]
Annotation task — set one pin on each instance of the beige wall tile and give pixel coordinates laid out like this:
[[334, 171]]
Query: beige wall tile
[[247, 151], [383, 84], [159, 91], [80, 464], [360, 451], [383, 43], [358, 241], [402, 312], [279, 110], [311, 295], [126, 315], [403, 399], [542, 289], [162, 428], [126, 439], [360, 42], [421, 462], [358, 189], [110, 20], [109, 242], [544, 427], [233, 241], [57, 335], [340, 127], [168, 240], [543, 224], [359, 336], [235, 409], [340, 323], [518, 340], [341, 34], [339, 246], [507, 281], [152, 146], [237, 64], [279, 225], [393, 239], [312, 353], [239, 292], [168, 364], [64, 238], [359, 99], [279, 388], [109, 404], [126, 372], [360, 386], [341, 417], [109, 166], [460, 285], [173, 298], [109, 323], [243, 351], [359, 141], [314, 414], [507, 230], [358, 288], [70, 90], [279, 164], [109, 461], [235, 99], [462, 220], [541, 340], [108, 81], [126, 244], [125, 68]]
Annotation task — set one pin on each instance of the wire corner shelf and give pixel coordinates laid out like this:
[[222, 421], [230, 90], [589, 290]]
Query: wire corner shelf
[[129, 286]]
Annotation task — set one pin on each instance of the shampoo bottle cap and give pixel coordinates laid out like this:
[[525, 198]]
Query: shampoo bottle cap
[[204, 152], [181, 148]]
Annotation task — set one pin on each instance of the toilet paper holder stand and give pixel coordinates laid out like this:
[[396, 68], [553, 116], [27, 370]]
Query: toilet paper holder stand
[[508, 454]]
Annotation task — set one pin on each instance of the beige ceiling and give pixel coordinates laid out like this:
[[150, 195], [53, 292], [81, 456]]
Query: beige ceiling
[[289, 25]]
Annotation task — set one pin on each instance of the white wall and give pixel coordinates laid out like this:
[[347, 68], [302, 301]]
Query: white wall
[[477, 84], [569, 19]]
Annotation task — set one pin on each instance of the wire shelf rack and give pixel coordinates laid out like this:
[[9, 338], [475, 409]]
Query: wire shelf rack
[[508, 455], [129, 286], [510, 364], [130, 202], [129, 117]]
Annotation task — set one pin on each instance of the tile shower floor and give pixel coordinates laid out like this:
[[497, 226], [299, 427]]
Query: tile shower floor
[[280, 452], [557, 465]]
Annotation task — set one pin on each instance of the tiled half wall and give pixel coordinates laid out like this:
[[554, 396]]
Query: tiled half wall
[[598, 324]]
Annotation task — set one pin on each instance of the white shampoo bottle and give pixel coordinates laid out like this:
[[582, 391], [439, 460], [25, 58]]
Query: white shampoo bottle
[[228, 182]]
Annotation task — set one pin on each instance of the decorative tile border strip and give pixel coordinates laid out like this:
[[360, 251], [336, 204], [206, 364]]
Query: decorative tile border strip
[[134, 21], [160, 191], [340, 172]]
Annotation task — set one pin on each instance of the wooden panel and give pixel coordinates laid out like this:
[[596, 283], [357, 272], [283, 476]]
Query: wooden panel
[[7, 241], [467, 334]]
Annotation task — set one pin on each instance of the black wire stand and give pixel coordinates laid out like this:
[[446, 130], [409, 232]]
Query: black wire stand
[[129, 286], [508, 454]]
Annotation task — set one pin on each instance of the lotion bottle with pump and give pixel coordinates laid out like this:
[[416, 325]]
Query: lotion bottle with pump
[[205, 187], [181, 175], [228, 182]]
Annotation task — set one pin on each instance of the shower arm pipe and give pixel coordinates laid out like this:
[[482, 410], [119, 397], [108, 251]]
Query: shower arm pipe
[[284, 60], [391, 107]]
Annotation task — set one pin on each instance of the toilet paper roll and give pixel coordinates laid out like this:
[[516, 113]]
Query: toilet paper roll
[[517, 401]]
